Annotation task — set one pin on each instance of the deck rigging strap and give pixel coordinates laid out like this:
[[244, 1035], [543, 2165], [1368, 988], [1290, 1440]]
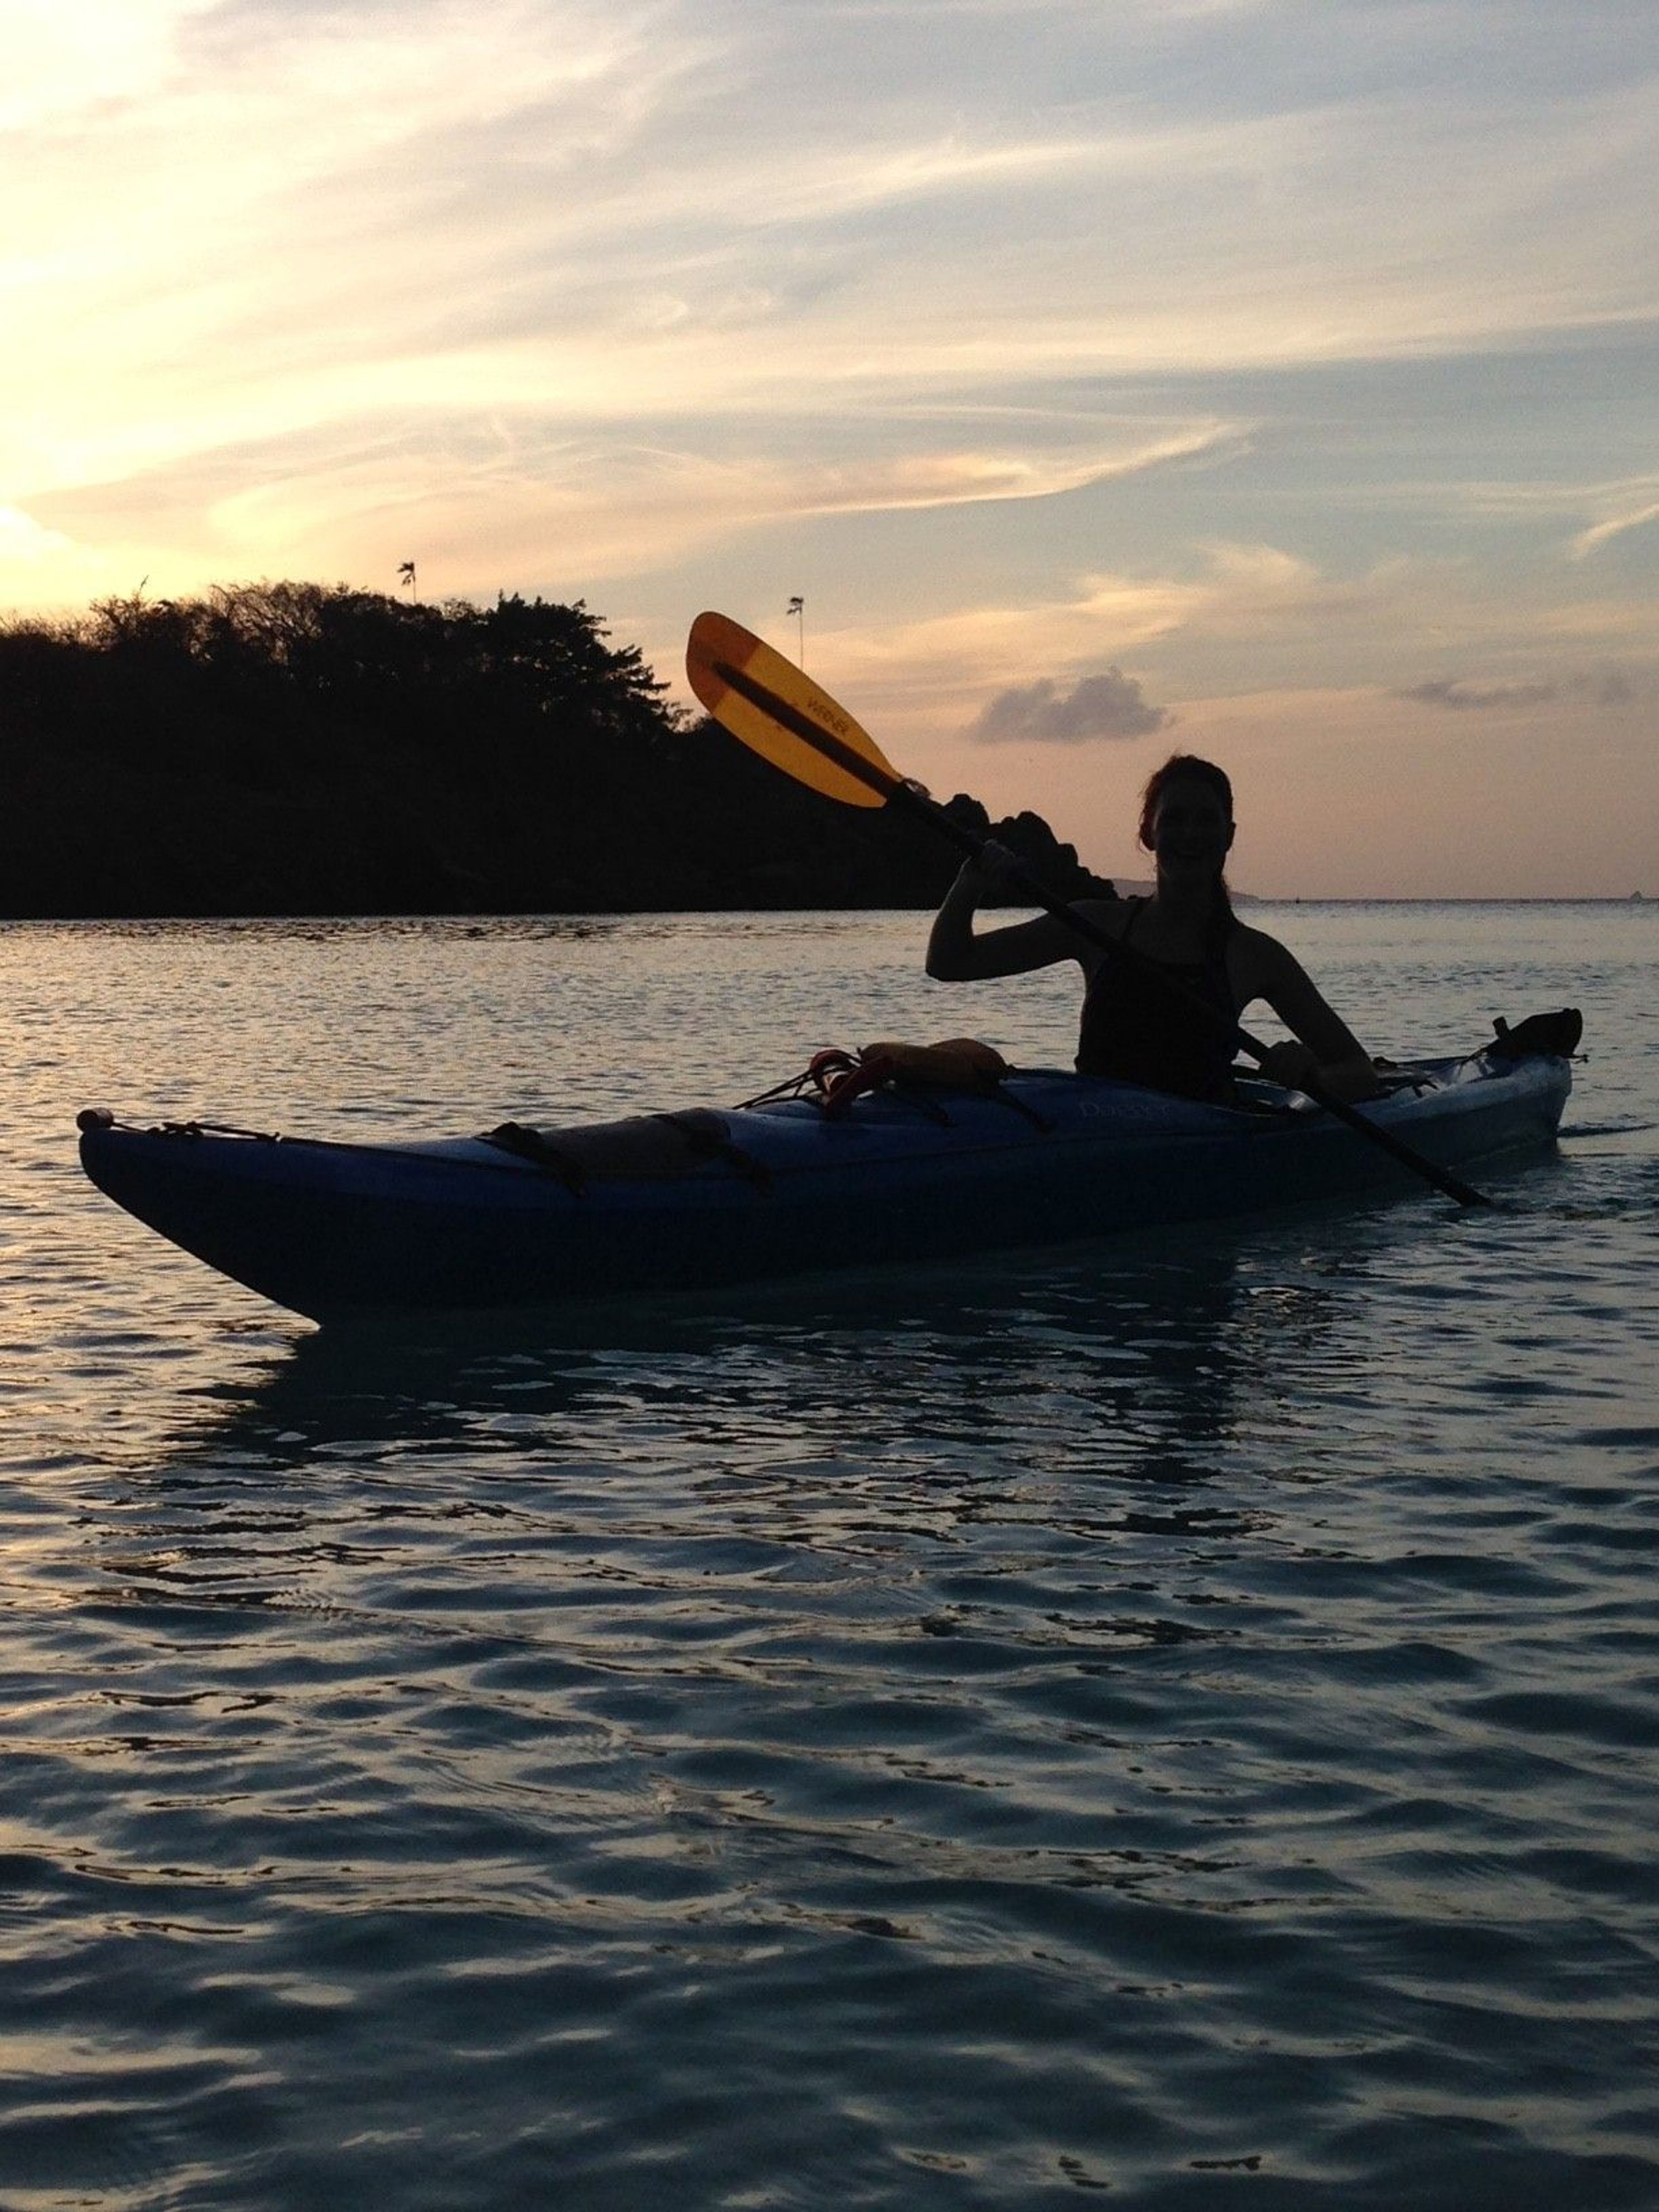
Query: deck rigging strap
[[528, 1144], [646, 1147], [706, 1137]]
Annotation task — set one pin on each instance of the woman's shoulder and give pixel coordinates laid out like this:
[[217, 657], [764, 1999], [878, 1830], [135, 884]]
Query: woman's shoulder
[[1107, 908], [1112, 914], [1257, 952]]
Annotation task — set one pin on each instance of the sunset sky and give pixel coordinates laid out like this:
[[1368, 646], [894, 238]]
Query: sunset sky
[[1278, 378]]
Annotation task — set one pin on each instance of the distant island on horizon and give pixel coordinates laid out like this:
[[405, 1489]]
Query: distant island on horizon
[[290, 749]]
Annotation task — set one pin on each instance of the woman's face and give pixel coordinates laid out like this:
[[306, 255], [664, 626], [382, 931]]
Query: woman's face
[[1192, 828]]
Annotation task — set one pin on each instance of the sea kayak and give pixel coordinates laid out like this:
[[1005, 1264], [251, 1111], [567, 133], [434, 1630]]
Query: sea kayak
[[905, 1171]]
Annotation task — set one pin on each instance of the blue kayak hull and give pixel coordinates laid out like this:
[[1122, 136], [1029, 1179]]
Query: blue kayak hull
[[335, 1230]]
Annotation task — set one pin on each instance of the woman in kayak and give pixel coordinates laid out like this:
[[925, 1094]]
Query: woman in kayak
[[1135, 1028]]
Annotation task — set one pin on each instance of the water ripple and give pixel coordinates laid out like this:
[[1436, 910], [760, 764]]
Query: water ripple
[[1172, 1718]]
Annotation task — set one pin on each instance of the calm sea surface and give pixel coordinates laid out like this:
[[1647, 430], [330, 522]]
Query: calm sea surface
[[1180, 1718]]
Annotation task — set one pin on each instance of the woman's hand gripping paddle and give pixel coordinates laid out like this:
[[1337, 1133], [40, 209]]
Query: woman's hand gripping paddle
[[778, 712]]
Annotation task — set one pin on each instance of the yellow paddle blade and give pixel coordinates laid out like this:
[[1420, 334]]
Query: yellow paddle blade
[[768, 704]]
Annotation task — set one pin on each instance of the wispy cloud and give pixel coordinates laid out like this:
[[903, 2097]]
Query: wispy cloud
[[1615, 526], [1255, 349], [513, 491], [1610, 688], [65, 62], [1467, 698]]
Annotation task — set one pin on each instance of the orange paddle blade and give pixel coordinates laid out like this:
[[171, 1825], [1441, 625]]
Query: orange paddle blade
[[771, 707]]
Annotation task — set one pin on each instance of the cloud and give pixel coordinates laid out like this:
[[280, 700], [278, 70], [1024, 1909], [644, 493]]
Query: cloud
[[23, 538], [266, 213], [520, 497], [42, 570], [1611, 688], [1467, 698], [1098, 706], [1615, 526], [61, 61]]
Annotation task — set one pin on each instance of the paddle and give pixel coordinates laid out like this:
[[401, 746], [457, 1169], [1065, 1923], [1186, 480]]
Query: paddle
[[778, 712]]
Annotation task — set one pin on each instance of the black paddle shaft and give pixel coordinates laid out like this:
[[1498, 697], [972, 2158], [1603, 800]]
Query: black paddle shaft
[[876, 776]]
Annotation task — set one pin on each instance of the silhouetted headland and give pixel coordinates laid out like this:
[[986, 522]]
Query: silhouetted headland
[[287, 748]]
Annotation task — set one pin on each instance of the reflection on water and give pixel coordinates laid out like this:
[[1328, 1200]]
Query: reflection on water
[[1171, 1718], [1154, 1349]]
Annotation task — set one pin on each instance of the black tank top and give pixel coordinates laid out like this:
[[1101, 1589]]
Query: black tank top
[[1135, 1031]]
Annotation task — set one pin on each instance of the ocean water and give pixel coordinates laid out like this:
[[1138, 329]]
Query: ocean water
[[1178, 1718]]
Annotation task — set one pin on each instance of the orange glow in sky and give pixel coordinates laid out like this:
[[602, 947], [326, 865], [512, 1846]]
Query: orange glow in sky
[[1267, 380]]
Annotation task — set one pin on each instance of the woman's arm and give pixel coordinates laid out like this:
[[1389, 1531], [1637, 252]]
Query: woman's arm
[[957, 953], [1322, 1047]]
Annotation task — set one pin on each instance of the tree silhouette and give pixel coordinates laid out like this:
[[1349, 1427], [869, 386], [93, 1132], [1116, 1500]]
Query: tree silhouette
[[301, 748]]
